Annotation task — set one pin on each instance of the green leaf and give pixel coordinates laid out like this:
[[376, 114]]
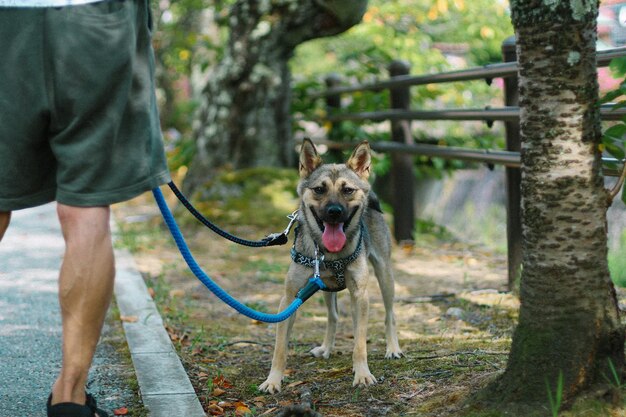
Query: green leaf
[[617, 131], [614, 150], [610, 96], [624, 194], [618, 66]]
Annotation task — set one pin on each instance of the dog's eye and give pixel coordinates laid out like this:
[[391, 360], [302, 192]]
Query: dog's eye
[[319, 190], [348, 190]]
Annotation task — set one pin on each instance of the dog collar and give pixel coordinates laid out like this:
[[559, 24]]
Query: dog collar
[[337, 266]]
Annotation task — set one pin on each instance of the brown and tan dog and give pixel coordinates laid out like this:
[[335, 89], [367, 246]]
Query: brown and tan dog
[[340, 217]]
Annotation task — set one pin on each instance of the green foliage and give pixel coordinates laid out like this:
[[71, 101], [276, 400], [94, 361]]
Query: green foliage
[[614, 138], [615, 379], [418, 32], [556, 400], [190, 36]]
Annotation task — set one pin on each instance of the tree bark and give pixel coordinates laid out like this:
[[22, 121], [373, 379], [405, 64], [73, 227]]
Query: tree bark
[[569, 319], [243, 119]]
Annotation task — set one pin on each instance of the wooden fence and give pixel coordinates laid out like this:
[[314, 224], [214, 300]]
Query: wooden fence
[[402, 146]]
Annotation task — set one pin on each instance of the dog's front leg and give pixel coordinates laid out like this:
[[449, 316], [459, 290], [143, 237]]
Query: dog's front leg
[[331, 327], [273, 382], [360, 306]]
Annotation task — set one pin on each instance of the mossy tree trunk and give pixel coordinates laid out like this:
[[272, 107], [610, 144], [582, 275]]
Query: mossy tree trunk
[[243, 119], [569, 319]]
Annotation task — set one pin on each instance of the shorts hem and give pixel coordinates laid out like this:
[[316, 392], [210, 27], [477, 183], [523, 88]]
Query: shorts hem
[[112, 197], [24, 202]]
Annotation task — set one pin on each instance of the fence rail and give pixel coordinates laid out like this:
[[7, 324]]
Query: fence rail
[[504, 114], [402, 146], [486, 72]]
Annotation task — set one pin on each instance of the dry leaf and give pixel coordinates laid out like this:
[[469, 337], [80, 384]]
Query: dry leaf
[[151, 292], [242, 410], [270, 411], [177, 293], [217, 392], [295, 384], [122, 411], [220, 381], [129, 319], [215, 410]]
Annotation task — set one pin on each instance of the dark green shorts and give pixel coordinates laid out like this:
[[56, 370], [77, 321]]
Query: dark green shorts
[[78, 116]]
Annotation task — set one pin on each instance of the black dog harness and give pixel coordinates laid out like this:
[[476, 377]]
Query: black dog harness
[[337, 266]]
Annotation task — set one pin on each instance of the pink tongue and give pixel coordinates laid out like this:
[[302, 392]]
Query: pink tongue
[[333, 238]]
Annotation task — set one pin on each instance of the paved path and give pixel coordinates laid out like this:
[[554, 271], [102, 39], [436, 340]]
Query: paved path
[[30, 330]]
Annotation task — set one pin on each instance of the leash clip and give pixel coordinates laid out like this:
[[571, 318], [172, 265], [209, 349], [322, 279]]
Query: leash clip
[[316, 262], [315, 282], [293, 217]]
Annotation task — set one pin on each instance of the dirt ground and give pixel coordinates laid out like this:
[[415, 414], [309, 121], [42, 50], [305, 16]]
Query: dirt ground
[[454, 319]]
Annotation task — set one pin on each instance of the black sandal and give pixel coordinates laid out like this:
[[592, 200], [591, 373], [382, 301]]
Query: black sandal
[[90, 409]]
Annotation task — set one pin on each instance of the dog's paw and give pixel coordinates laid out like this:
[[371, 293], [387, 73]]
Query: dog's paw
[[364, 379], [321, 352], [394, 353], [271, 386]]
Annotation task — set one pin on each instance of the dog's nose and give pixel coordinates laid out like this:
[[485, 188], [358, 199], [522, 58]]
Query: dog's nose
[[334, 211]]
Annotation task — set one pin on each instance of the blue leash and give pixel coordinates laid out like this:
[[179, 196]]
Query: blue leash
[[315, 283]]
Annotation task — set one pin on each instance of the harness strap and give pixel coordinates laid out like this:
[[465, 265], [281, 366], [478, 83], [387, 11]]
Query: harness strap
[[337, 266]]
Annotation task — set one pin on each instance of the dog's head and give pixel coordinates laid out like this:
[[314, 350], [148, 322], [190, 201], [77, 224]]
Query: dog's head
[[334, 196]]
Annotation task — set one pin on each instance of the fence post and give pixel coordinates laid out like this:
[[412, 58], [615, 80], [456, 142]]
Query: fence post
[[401, 173], [513, 175]]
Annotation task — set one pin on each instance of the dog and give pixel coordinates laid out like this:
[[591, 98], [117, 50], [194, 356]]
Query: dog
[[340, 217]]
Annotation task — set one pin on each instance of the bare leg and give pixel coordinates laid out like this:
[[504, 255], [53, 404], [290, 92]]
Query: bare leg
[[85, 288], [5, 218]]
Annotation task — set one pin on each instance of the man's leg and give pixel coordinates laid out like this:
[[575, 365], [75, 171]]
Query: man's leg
[[85, 288], [5, 218]]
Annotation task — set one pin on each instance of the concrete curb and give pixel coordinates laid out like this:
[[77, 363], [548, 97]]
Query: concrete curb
[[165, 388]]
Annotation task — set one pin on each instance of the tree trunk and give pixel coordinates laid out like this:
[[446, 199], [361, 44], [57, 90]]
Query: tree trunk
[[244, 115], [569, 319]]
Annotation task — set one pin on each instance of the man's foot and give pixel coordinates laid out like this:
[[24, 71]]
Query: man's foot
[[90, 409]]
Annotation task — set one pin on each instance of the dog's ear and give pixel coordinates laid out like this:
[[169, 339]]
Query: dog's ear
[[309, 158], [361, 160]]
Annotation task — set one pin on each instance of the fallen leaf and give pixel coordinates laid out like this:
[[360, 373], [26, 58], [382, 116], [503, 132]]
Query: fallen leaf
[[242, 410], [129, 319], [151, 292], [215, 410], [122, 411], [226, 404], [217, 392], [220, 381], [295, 384], [268, 412], [177, 293]]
